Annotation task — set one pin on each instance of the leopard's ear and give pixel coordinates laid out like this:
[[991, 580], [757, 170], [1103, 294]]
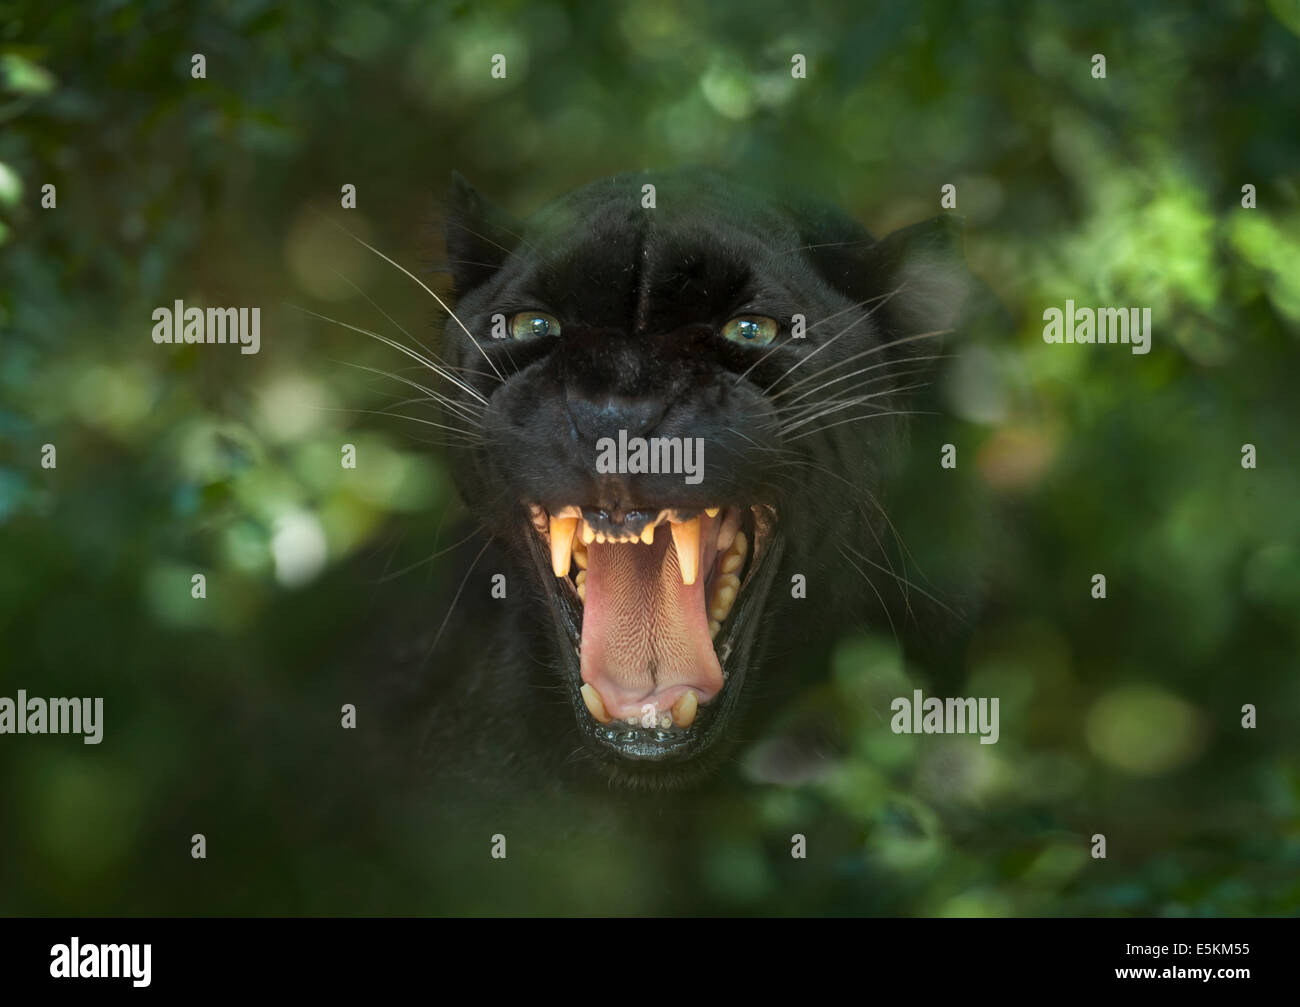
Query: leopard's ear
[[479, 237], [920, 277], [914, 281]]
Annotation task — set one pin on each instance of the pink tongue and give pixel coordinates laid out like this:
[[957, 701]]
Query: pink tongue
[[645, 634]]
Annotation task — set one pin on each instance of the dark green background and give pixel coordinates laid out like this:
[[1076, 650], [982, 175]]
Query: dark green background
[[1119, 716]]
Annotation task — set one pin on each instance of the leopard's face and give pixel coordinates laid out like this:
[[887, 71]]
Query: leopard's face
[[681, 412]]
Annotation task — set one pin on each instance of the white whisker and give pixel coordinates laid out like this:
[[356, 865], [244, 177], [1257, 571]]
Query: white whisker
[[429, 364], [441, 303]]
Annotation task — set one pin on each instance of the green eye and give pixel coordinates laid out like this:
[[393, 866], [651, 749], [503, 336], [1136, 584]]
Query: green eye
[[751, 330], [534, 325]]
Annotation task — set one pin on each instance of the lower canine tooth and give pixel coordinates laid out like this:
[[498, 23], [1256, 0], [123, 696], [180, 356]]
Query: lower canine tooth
[[595, 705], [562, 529], [686, 536], [684, 709]]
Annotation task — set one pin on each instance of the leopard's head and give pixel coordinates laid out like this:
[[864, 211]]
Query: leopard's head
[[684, 400]]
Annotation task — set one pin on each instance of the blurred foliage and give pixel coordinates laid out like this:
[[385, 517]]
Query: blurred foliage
[[1119, 716]]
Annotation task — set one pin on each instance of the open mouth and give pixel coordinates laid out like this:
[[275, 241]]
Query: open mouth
[[653, 603]]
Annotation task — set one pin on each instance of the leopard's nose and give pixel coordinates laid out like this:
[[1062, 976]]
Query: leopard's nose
[[604, 416]]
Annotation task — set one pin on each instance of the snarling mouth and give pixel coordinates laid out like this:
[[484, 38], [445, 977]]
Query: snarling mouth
[[652, 601]]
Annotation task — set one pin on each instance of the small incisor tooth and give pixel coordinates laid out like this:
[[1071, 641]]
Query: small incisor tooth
[[715, 627], [562, 529], [713, 511], [684, 709], [648, 535], [595, 705], [686, 536], [587, 532]]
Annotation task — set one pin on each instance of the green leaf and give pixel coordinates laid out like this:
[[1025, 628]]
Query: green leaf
[[11, 186], [20, 75]]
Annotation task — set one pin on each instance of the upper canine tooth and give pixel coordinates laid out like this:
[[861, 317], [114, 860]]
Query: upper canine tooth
[[684, 709], [686, 536], [588, 533], [562, 529], [595, 705]]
